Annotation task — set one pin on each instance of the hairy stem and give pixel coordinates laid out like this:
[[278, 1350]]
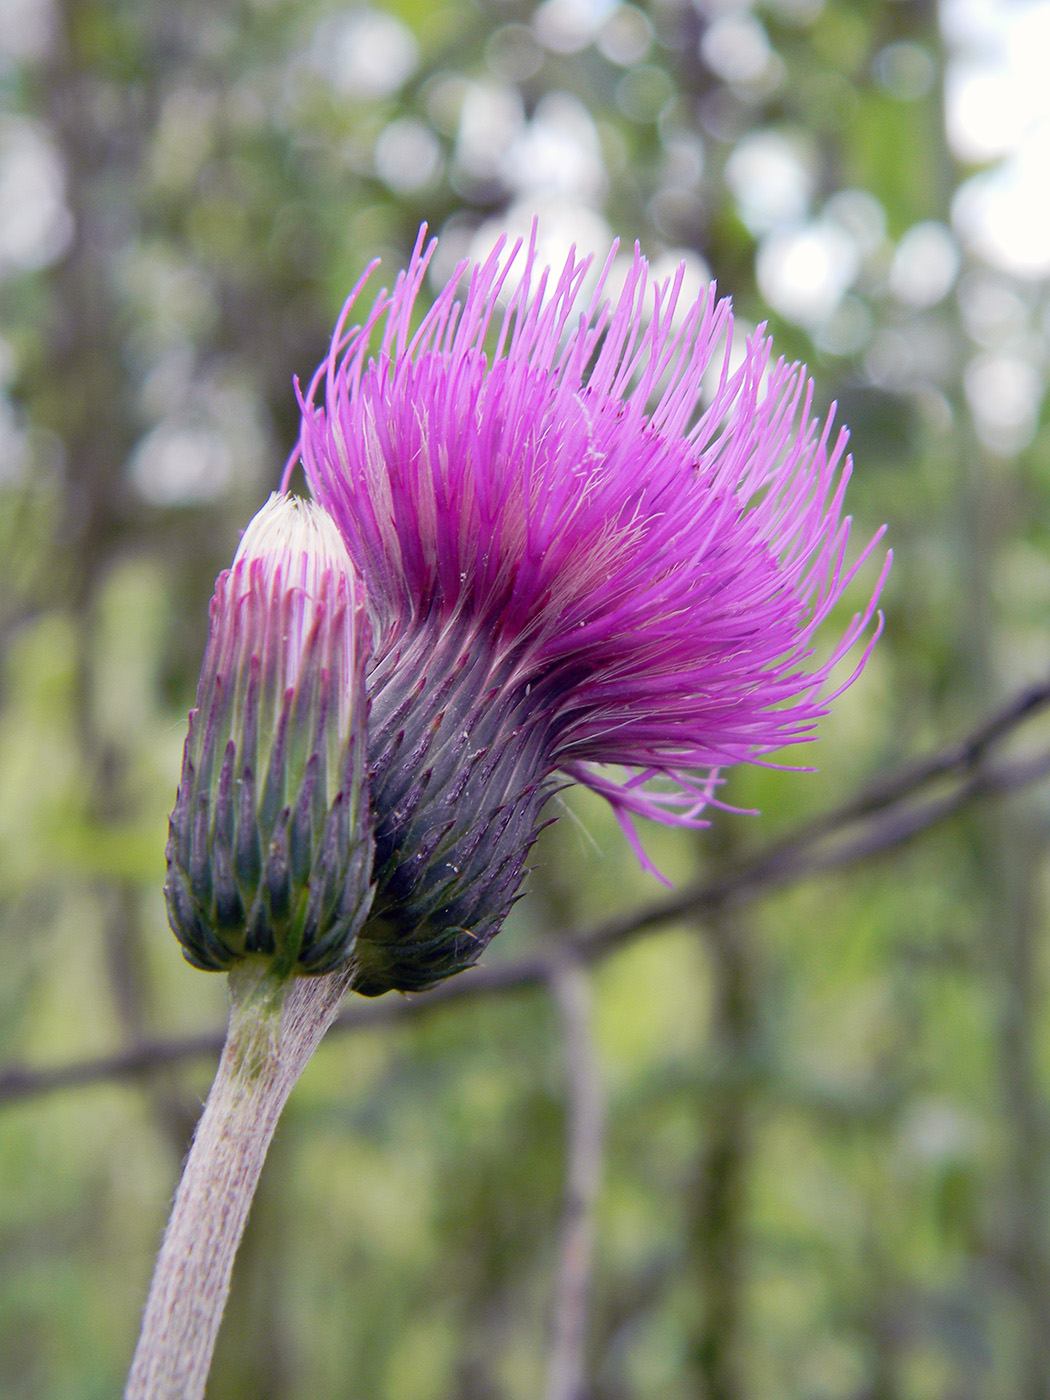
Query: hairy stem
[[275, 1026]]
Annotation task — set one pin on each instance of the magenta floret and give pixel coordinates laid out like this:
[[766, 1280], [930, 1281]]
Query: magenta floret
[[539, 463]]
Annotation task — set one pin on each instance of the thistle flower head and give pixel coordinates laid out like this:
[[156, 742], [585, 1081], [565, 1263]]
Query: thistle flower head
[[572, 562], [270, 845]]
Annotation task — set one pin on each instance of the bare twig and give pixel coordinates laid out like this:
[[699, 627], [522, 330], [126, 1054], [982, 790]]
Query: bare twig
[[585, 1123], [965, 756], [884, 816], [817, 848]]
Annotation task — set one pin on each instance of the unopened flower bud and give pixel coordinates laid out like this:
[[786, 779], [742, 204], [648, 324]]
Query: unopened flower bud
[[270, 845]]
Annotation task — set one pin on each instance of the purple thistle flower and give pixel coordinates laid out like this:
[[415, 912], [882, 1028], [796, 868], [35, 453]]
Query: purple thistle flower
[[269, 849], [569, 565]]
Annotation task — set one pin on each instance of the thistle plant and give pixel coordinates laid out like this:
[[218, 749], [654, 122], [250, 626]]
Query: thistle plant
[[536, 555]]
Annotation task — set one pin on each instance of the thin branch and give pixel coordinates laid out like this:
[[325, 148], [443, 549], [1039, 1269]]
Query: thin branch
[[585, 1131], [882, 817], [965, 756], [814, 851], [19, 1082]]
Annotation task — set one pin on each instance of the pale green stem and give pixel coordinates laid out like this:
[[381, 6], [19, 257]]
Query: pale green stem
[[275, 1026]]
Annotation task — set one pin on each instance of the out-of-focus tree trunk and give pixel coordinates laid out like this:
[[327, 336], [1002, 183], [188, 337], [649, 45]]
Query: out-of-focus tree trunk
[[716, 1201]]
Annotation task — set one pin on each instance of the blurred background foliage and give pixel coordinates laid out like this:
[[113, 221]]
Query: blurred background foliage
[[824, 1172]]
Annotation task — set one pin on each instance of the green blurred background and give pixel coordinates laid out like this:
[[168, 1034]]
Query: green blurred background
[[825, 1153]]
